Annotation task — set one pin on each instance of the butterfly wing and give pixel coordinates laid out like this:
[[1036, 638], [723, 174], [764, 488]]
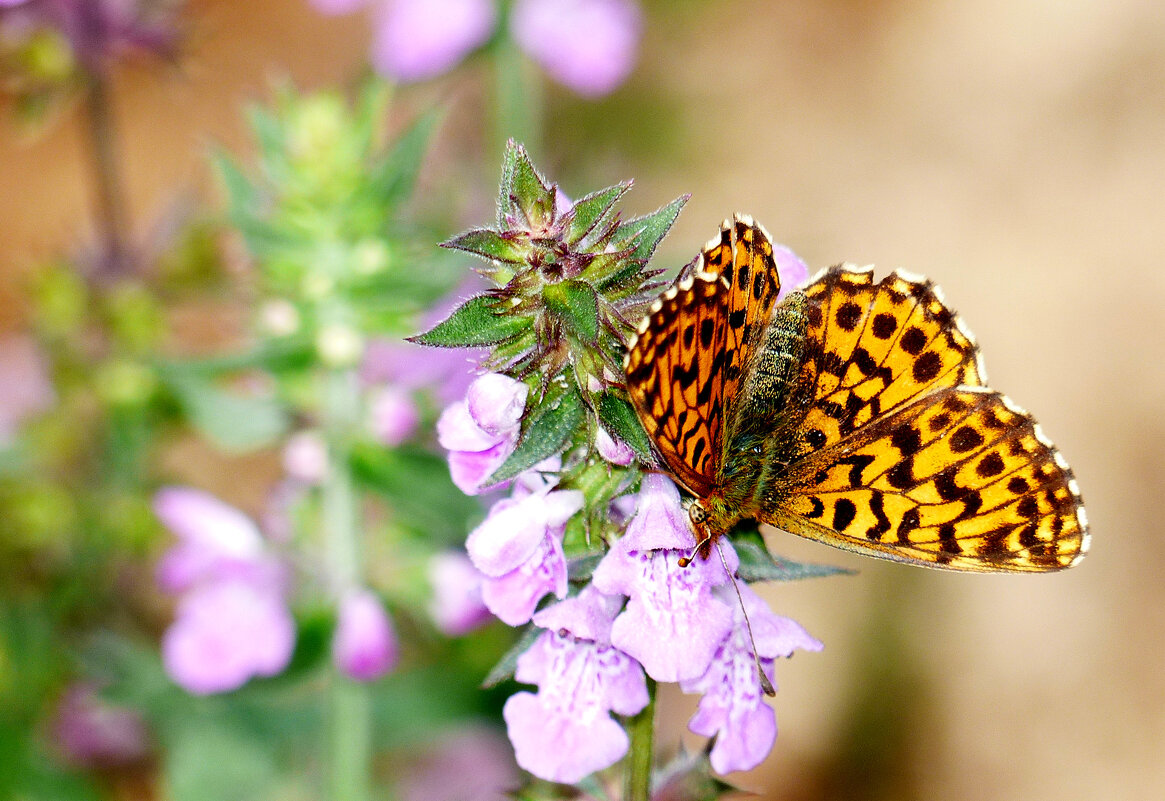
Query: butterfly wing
[[904, 454], [692, 350], [742, 254], [961, 479], [871, 347]]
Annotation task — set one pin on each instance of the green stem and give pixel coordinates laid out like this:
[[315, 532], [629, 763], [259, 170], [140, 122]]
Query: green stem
[[110, 199], [518, 98], [350, 715], [641, 729]]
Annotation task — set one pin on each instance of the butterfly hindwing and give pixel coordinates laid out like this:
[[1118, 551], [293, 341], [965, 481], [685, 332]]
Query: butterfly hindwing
[[960, 478]]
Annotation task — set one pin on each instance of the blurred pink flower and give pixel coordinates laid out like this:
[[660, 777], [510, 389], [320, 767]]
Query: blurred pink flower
[[474, 764], [215, 541], [587, 45], [394, 415], [456, 606], [305, 457], [418, 39], [100, 30], [364, 646], [25, 389], [225, 633], [232, 621], [91, 732]]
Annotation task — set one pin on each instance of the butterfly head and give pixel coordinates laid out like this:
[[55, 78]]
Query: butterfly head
[[709, 518]]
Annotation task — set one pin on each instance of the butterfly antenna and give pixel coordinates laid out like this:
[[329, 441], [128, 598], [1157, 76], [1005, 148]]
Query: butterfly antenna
[[765, 684]]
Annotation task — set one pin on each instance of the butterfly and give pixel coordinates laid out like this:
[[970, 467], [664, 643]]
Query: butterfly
[[852, 412]]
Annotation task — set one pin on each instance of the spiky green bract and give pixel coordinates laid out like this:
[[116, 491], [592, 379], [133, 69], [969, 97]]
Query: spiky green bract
[[570, 279]]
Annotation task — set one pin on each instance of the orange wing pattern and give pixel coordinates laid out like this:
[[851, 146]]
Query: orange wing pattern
[[693, 349], [675, 377], [871, 347], [961, 479], [742, 254]]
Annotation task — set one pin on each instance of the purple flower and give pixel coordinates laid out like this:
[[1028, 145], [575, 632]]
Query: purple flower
[[305, 457], [615, 451], [232, 621], [481, 431], [215, 540], [99, 30], [518, 547], [792, 271], [565, 731], [457, 606], [394, 415], [93, 733], [673, 622], [25, 389], [733, 707], [418, 39], [588, 45], [225, 633], [364, 646], [469, 764]]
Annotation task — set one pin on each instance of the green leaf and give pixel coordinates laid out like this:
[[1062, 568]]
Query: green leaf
[[506, 666], [620, 420], [522, 188], [490, 244], [545, 435], [240, 192], [417, 485], [474, 324], [757, 564], [689, 777], [242, 767], [395, 177], [583, 567], [576, 303], [590, 210], [643, 234], [233, 422], [268, 131]]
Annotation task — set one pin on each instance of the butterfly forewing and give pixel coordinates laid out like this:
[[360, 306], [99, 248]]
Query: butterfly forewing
[[693, 348], [675, 378], [960, 478], [742, 255], [871, 347]]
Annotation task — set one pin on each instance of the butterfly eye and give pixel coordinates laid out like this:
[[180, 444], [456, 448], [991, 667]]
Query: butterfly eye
[[696, 513]]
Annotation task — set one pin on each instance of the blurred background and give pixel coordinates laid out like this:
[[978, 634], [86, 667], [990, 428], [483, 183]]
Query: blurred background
[[1013, 151]]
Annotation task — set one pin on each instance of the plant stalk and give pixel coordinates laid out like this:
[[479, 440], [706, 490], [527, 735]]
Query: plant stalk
[[641, 729], [350, 713], [518, 94], [109, 196]]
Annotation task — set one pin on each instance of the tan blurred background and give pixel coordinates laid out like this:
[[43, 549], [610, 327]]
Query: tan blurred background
[[1012, 150]]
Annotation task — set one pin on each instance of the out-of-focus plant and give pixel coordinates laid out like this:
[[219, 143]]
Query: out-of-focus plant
[[583, 521], [324, 591]]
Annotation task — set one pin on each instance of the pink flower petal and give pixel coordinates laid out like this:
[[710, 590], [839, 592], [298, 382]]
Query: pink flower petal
[[418, 39], [588, 45]]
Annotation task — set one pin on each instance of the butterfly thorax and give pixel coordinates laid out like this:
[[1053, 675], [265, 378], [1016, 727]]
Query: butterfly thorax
[[762, 439]]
